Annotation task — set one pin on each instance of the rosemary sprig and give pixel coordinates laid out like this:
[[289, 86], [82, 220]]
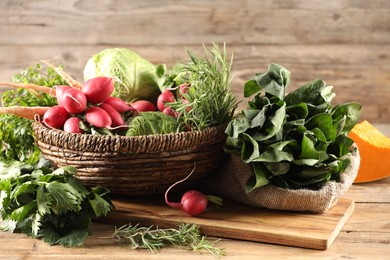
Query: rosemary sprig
[[186, 236], [211, 101]]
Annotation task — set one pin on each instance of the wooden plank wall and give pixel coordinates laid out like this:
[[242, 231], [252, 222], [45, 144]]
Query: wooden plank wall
[[344, 42]]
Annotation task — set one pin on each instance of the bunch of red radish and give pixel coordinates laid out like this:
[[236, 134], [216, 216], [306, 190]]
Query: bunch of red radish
[[163, 100], [93, 102]]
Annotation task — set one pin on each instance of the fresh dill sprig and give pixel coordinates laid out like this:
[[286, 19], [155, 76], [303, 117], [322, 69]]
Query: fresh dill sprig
[[186, 236]]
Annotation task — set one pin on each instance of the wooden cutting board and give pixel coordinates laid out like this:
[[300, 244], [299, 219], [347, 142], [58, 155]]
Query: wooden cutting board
[[237, 221]]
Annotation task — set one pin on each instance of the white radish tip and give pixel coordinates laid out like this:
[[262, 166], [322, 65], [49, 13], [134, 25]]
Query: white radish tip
[[117, 127], [180, 181]]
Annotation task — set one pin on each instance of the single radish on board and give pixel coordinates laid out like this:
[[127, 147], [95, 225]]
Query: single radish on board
[[192, 202], [119, 104], [143, 106], [60, 89], [165, 97], [55, 117], [116, 117], [98, 89], [74, 101], [72, 125], [98, 117]]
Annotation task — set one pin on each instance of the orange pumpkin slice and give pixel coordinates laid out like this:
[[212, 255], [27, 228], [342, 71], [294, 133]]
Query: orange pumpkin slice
[[374, 149]]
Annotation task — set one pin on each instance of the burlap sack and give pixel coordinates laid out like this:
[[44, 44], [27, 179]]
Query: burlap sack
[[230, 182]]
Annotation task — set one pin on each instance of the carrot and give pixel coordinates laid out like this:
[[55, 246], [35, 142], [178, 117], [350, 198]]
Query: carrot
[[50, 91], [72, 82], [25, 112], [374, 149]]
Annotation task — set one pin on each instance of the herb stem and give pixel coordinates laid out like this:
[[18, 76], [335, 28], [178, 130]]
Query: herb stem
[[186, 236]]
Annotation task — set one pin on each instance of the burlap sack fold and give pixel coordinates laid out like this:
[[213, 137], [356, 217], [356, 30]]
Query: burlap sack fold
[[231, 179]]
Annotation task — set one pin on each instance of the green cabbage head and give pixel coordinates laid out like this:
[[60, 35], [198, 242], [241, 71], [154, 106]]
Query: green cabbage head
[[136, 78]]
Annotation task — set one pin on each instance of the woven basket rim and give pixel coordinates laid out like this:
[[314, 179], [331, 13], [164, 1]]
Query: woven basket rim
[[129, 144]]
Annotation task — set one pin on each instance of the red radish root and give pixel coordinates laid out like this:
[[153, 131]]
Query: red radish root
[[55, 117], [72, 125], [116, 118], [169, 111], [98, 89], [165, 97], [74, 101], [183, 88], [143, 106], [98, 117], [59, 90], [120, 105]]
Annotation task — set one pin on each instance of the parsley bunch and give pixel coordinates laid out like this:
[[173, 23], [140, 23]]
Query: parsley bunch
[[16, 134], [49, 204]]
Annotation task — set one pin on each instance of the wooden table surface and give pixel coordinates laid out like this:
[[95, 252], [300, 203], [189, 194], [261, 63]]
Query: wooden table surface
[[366, 235]]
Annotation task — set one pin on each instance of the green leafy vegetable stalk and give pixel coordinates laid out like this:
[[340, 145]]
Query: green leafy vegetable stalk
[[47, 204], [186, 236], [296, 140], [16, 134]]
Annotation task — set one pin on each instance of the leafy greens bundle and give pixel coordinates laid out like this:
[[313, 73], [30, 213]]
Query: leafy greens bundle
[[16, 134], [293, 141], [50, 204]]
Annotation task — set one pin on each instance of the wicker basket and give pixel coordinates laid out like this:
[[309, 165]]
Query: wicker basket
[[140, 165]]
